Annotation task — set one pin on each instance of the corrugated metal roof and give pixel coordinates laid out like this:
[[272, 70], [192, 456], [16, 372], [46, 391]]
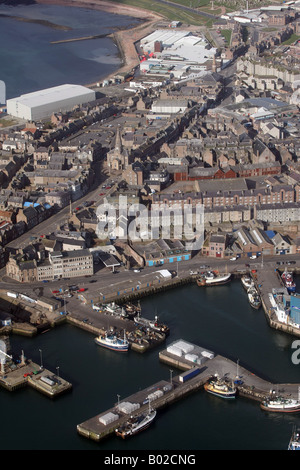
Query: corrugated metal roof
[[52, 95]]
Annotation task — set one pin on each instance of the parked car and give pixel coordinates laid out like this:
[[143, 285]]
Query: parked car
[[234, 258], [253, 257]]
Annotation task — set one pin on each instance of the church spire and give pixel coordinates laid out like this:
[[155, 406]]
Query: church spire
[[118, 143]]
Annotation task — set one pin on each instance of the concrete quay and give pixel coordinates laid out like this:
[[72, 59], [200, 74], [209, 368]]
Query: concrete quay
[[83, 38], [253, 387], [267, 278], [33, 375], [118, 324]]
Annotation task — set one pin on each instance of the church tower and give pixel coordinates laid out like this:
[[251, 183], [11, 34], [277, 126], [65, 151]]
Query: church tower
[[117, 158]]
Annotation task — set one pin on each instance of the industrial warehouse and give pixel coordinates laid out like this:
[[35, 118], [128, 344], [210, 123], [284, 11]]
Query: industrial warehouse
[[41, 104], [175, 52]]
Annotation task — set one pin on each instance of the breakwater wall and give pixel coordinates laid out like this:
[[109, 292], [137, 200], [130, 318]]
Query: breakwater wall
[[83, 38]]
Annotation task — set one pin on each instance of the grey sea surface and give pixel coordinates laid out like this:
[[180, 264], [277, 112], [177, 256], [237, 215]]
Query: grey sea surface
[[29, 61]]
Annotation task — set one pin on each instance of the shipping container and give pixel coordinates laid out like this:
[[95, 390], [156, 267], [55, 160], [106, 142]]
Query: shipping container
[[189, 374], [47, 380], [108, 418]]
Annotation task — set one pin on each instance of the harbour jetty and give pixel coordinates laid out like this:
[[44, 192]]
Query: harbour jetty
[[83, 38], [267, 279], [202, 364], [31, 374]]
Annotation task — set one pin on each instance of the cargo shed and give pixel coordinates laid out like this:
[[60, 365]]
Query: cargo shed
[[41, 104]]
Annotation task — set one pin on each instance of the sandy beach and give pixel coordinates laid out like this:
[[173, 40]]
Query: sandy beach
[[124, 39]]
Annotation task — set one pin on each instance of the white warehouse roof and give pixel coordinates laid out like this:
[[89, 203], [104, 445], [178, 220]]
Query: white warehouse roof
[[43, 103]]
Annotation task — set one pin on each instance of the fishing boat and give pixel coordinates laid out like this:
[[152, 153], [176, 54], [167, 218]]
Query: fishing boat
[[113, 342], [220, 388], [112, 308], [212, 278], [294, 443], [136, 424], [288, 281], [254, 298], [153, 324], [247, 282], [280, 404]]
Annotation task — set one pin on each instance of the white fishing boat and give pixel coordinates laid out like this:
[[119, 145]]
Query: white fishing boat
[[247, 282], [254, 298], [113, 342], [294, 443], [281, 405], [212, 278], [136, 424]]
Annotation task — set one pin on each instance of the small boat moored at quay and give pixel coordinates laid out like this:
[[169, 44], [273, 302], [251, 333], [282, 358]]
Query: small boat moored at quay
[[113, 342], [136, 424], [153, 324], [288, 281], [254, 298], [220, 388], [280, 404], [294, 443], [247, 282], [213, 278]]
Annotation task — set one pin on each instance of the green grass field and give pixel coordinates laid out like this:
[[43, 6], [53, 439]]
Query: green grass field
[[171, 13], [293, 38]]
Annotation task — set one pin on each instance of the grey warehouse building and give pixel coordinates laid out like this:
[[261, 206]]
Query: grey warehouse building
[[41, 104]]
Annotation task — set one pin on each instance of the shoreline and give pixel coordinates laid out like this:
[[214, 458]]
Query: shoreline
[[124, 39], [108, 7]]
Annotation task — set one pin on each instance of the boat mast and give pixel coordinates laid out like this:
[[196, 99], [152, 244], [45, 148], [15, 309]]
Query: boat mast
[[237, 368]]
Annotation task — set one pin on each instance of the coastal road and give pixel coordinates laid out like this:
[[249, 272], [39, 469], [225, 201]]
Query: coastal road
[[104, 281]]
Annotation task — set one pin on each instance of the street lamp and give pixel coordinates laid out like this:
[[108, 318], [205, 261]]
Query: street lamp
[[171, 377], [41, 359]]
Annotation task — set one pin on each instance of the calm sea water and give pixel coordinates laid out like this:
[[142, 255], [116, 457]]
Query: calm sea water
[[29, 62], [218, 318]]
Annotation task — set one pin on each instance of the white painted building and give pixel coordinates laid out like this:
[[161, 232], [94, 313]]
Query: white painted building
[[41, 104]]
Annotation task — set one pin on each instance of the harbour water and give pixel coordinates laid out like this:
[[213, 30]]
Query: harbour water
[[218, 318], [29, 61]]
